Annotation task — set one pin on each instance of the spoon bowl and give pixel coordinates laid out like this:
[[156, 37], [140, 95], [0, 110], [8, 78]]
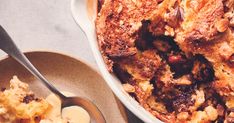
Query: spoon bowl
[[9, 47], [93, 111]]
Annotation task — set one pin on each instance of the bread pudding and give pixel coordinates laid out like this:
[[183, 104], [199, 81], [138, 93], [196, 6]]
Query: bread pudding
[[20, 105], [175, 57]]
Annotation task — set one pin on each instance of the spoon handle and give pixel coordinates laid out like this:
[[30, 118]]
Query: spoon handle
[[9, 47]]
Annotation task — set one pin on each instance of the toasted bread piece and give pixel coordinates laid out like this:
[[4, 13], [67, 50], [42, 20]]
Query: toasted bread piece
[[117, 25], [142, 66], [202, 19]]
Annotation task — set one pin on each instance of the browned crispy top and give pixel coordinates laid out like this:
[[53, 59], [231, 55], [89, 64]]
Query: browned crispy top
[[176, 57], [118, 22]]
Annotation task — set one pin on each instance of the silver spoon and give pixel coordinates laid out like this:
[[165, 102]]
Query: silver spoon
[[9, 47]]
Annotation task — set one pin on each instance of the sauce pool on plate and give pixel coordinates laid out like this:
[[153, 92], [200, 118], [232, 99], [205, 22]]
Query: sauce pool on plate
[[70, 114]]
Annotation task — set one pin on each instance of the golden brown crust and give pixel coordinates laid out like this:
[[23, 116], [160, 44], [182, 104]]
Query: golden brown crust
[[118, 23], [176, 57]]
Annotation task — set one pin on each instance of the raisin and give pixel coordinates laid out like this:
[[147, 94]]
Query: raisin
[[37, 118], [28, 98]]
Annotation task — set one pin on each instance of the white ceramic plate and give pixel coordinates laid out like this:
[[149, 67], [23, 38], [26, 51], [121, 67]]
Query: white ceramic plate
[[84, 13]]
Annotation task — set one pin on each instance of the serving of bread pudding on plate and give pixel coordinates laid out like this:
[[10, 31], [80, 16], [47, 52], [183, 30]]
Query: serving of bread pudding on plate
[[175, 57], [18, 104]]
